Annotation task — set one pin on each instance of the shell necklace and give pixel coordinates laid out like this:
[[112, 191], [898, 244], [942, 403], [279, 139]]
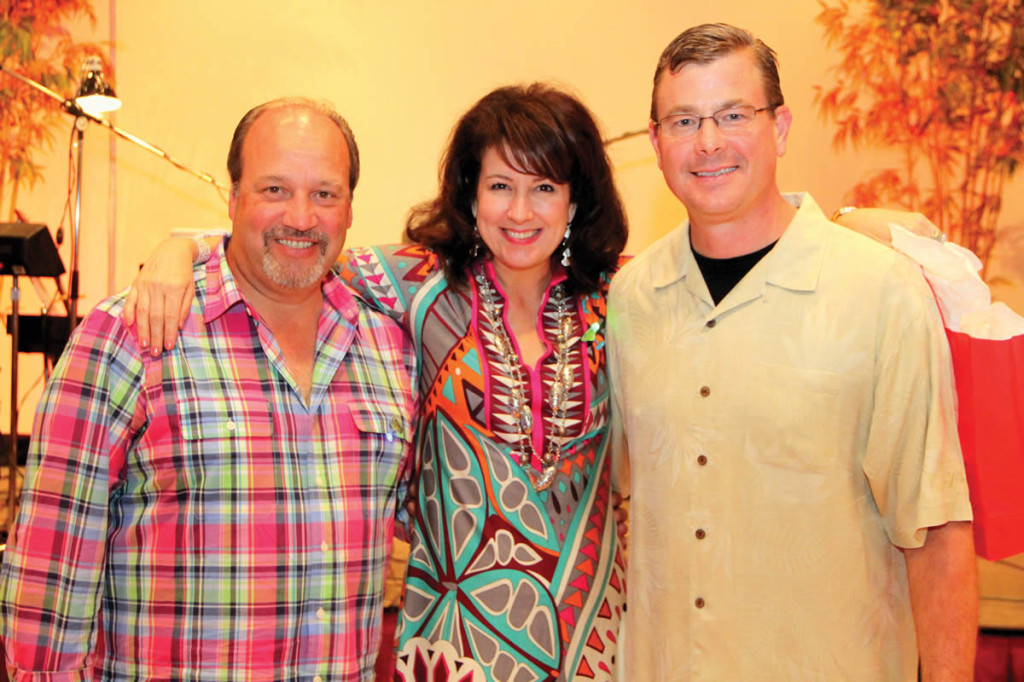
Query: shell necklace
[[558, 396]]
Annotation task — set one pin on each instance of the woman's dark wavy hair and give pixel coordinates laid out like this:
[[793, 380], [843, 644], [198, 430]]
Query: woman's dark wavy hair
[[543, 131]]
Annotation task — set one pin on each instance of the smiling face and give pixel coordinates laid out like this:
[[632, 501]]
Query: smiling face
[[720, 178], [521, 217], [291, 206]]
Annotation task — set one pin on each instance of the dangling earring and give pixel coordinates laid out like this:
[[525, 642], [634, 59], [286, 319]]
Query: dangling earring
[[475, 251], [565, 246]]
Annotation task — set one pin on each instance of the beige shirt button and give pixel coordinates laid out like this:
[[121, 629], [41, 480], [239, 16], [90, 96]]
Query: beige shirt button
[[705, 391], [321, 614], [317, 678], [323, 546], [230, 426], [699, 602]]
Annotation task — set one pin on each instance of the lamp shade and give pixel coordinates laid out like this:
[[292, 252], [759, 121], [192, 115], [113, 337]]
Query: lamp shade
[[95, 95]]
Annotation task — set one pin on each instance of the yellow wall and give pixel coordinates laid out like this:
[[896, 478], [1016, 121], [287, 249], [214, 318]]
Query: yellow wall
[[401, 72]]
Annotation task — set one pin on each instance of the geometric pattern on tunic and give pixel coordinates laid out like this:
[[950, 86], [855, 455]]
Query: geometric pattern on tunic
[[504, 582]]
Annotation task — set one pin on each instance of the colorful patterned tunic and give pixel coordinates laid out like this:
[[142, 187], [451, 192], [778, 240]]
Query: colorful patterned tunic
[[504, 582]]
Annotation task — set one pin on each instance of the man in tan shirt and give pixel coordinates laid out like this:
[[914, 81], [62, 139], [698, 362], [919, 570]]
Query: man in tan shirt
[[784, 388]]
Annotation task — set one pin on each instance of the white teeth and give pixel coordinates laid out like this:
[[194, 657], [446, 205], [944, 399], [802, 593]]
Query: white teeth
[[714, 174], [296, 244], [522, 236]]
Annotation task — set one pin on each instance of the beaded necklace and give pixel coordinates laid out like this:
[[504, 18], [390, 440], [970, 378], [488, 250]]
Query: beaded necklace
[[561, 384]]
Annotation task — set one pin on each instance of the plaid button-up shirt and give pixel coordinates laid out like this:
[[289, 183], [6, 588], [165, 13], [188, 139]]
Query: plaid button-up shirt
[[193, 517]]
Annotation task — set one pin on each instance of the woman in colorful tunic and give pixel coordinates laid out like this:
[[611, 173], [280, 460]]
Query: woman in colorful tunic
[[515, 569]]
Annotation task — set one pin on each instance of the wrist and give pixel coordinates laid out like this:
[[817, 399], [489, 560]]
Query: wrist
[[200, 250]]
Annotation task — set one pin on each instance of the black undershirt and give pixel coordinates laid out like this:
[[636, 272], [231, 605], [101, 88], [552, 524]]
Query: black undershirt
[[722, 274]]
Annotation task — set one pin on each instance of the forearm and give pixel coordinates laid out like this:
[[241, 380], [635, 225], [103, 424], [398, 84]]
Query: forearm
[[160, 299], [943, 581]]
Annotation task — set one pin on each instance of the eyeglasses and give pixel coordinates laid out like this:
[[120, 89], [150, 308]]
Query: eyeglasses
[[729, 120]]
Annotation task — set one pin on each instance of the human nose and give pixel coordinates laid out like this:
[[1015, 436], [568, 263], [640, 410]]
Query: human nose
[[519, 209], [300, 213], [709, 137]]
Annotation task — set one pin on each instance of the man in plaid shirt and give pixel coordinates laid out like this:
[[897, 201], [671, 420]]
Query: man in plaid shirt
[[223, 511]]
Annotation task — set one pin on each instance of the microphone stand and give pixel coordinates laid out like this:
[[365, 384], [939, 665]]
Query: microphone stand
[[82, 119]]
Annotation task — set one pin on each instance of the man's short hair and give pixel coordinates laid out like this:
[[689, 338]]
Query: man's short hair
[[705, 43], [314, 105]]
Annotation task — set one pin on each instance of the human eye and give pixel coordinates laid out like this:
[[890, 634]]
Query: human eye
[[734, 116], [325, 195], [682, 121], [273, 190], [498, 185], [547, 187]]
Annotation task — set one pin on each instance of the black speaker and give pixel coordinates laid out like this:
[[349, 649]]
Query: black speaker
[[42, 333], [30, 246]]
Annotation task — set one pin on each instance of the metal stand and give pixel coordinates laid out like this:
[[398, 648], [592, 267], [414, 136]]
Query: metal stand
[[72, 303], [82, 119], [16, 244], [12, 464]]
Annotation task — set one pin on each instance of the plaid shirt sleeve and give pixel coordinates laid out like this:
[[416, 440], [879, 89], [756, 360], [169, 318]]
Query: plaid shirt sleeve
[[51, 579]]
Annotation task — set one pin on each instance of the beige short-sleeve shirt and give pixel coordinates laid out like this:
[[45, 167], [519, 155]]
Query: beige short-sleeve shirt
[[782, 446]]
